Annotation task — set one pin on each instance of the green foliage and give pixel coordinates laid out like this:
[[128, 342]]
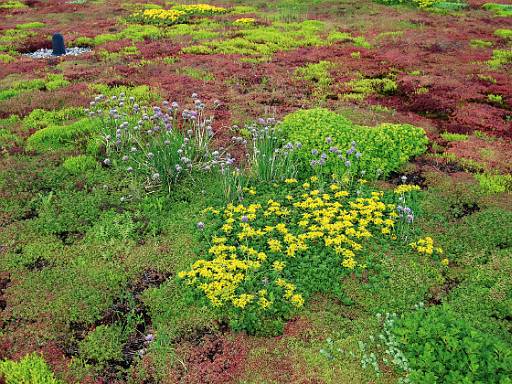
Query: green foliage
[[504, 10], [104, 343], [266, 40], [454, 136], [318, 74], [63, 137], [31, 369], [32, 25], [40, 118], [113, 226], [362, 88], [500, 57], [197, 73], [77, 165], [5, 58], [495, 99], [442, 348], [141, 93], [504, 33], [385, 147], [477, 43], [134, 32], [12, 4], [491, 183], [51, 83]]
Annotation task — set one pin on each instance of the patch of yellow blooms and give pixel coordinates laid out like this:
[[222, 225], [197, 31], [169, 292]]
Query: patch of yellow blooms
[[426, 246], [263, 239], [201, 9], [406, 188], [244, 21], [168, 15]]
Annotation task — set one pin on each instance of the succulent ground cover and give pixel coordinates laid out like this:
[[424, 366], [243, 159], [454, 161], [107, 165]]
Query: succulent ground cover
[[256, 192]]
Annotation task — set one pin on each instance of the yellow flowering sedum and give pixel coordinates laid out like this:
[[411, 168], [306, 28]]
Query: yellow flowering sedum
[[406, 188], [425, 246], [259, 244]]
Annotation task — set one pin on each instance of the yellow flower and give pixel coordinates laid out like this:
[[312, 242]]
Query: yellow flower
[[278, 265], [297, 300], [405, 188], [445, 262], [290, 181], [306, 185], [242, 300], [313, 178], [274, 245]]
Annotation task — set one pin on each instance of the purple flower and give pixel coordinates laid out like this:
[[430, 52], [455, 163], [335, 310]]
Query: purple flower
[[200, 225], [150, 155], [125, 158], [129, 169], [323, 156], [107, 162], [351, 151], [314, 152], [244, 219], [358, 155], [155, 176], [348, 163], [328, 140]]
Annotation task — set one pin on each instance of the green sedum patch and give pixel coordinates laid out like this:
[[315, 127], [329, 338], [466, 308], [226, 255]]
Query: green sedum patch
[[385, 147], [31, 369]]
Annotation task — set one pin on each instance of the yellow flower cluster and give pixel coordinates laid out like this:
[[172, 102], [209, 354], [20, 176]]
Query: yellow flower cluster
[[266, 239], [425, 3], [201, 9], [426, 246], [165, 15], [405, 188], [244, 21]]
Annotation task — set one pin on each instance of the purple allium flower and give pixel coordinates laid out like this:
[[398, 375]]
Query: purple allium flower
[[403, 178], [298, 145], [244, 219], [314, 152], [155, 176], [125, 158], [107, 162], [261, 121], [351, 151], [129, 169], [167, 142], [178, 168], [333, 150], [410, 218], [358, 155], [314, 163], [132, 99], [150, 155], [149, 337], [353, 143], [108, 137], [118, 142], [200, 225], [348, 163], [194, 95], [328, 140], [174, 105], [323, 156], [133, 149]]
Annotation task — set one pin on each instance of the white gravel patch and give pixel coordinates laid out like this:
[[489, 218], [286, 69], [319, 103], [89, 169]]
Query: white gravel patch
[[46, 53]]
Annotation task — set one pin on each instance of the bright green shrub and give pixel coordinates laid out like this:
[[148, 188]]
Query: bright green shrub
[[103, 344], [362, 88], [504, 33], [454, 136], [51, 83], [32, 25], [79, 164], [477, 43], [31, 369], [55, 82], [40, 118], [442, 348], [318, 74], [494, 183], [504, 10], [385, 147], [500, 57], [12, 4], [62, 137]]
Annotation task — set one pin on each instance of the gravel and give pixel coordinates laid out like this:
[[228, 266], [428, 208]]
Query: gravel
[[46, 53]]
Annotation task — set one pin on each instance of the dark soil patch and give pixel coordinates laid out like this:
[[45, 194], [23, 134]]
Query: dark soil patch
[[415, 178], [465, 209], [436, 294], [5, 280]]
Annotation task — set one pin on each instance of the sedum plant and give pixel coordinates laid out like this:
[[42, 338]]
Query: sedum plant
[[385, 148]]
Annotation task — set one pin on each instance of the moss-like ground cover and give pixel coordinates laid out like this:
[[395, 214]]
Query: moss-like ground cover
[[256, 192]]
